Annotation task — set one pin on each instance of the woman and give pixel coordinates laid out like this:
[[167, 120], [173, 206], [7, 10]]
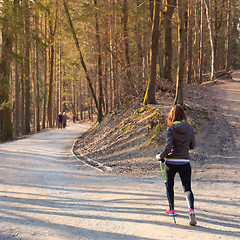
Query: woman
[[64, 120], [59, 120], [180, 138]]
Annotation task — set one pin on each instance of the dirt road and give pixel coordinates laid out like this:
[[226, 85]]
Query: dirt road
[[45, 193]]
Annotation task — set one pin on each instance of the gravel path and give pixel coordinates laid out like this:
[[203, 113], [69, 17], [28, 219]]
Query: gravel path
[[46, 194]]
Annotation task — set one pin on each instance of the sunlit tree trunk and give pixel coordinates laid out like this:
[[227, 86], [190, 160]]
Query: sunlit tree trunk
[[217, 25], [150, 92], [17, 87], [6, 130], [189, 41], [139, 49], [168, 13], [228, 63], [181, 54], [80, 54], [99, 66], [201, 43], [211, 39], [52, 31], [27, 79], [37, 74], [45, 59], [128, 84]]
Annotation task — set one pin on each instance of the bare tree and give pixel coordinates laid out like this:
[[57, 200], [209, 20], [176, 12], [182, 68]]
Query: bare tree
[[181, 54], [80, 54], [128, 85], [228, 63], [6, 130], [201, 42], [26, 127], [189, 41], [150, 92], [16, 112], [99, 64], [168, 14], [52, 31], [211, 39]]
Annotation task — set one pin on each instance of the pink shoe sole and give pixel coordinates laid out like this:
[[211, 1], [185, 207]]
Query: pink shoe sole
[[192, 218]]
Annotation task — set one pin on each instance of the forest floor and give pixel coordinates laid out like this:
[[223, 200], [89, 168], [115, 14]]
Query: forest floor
[[47, 194]]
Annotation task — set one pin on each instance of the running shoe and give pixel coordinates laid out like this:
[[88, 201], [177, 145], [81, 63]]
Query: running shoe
[[170, 212], [192, 218]]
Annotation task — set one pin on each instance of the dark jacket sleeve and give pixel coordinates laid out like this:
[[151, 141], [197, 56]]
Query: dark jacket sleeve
[[169, 143]]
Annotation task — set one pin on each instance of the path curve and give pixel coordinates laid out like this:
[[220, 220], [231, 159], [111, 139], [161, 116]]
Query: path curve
[[46, 194]]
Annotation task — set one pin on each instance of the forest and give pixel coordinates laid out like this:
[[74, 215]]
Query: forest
[[91, 57]]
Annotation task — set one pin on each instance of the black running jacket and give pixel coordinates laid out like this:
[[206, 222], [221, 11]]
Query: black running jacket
[[180, 138]]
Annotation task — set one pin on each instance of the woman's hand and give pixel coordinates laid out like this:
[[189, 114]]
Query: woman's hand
[[159, 158]]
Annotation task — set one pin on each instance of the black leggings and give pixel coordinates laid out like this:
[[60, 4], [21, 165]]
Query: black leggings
[[185, 175]]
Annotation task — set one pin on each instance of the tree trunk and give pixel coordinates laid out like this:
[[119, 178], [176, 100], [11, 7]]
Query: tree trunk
[[201, 43], [189, 42], [45, 77], [52, 31], [113, 64], [80, 54], [139, 49], [50, 89], [128, 84], [211, 39], [60, 76], [99, 64], [107, 98], [17, 88], [150, 92], [6, 130], [167, 65], [181, 54], [37, 77], [228, 64], [218, 24], [27, 81]]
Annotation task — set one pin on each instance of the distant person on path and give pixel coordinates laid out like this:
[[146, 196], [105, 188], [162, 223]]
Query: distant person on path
[[60, 120], [64, 120], [180, 138]]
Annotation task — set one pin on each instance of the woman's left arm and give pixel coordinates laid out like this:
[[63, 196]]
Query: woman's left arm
[[192, 142], [169, 143]]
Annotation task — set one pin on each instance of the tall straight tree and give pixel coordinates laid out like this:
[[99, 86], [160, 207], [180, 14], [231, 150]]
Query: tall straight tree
[[27, 117], [150, 92], [189, 41], [6, 130], [16, 112], [139, 46], [113, 62], [45, 68], [37, 74], [217, 27], [181, 54], [228, 63], [80, 54], [168, 14], [52, 31], [99, 66], [201, 43], [211, 38], [128, 84]]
